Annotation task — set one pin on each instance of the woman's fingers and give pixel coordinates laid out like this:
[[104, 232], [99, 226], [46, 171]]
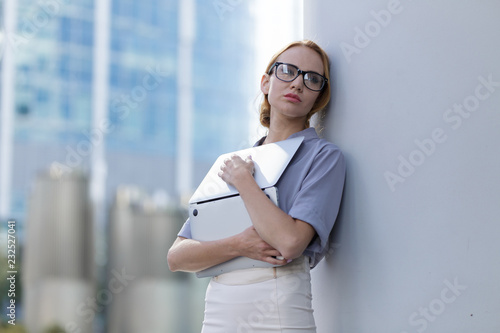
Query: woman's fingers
[[235, 167], [256, 248], [276, 261]]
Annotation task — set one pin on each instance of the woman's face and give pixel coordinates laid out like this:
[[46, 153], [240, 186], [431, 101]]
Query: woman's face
[[292, 100]]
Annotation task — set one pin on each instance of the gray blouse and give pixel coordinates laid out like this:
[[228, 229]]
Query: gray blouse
[[310, 189]]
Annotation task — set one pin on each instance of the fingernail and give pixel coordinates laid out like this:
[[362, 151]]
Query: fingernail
[[289, 261]]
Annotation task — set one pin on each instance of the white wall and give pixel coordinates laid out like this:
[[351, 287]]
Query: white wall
[[416, 246]]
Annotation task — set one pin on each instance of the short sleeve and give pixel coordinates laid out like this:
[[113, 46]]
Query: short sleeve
[[185, 230], [318, 200]]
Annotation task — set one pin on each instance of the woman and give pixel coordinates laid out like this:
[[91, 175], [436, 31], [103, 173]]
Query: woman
[[295, 234]]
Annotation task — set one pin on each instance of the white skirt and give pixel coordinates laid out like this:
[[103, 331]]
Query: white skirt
[[261, 300]]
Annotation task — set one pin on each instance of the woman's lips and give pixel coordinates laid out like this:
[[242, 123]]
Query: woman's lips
[[293, 98]]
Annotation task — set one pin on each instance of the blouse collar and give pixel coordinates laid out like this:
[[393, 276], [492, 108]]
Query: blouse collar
[[308, 133]]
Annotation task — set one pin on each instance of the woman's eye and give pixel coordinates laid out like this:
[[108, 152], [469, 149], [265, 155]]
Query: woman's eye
[[288, 70], [313, 78]]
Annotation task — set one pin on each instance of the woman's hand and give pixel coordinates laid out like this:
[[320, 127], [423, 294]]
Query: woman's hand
[[235, 170], [252, 246]]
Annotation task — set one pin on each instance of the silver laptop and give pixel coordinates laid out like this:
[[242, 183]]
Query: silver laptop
[[217, 211], [232, 218]]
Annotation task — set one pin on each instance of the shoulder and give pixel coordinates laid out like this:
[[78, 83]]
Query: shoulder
[[318, 155], [325, 145], [314, 150], [329, 156], [312, 139], [322, 147]]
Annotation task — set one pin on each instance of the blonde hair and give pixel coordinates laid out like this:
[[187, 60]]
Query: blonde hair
[[324, 95]]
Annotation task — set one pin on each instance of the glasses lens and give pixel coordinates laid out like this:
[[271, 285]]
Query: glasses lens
[[286, 72], [314, 81]]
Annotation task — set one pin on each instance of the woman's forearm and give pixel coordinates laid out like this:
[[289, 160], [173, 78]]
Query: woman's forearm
[[286, 234], [190, 255]]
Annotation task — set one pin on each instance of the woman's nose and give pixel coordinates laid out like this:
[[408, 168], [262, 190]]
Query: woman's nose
[[298, 83]]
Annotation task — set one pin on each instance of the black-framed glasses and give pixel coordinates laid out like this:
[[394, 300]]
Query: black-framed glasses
[[288, 72]]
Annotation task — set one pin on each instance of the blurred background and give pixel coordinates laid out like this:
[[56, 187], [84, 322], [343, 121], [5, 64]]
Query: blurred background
[[112, 111]]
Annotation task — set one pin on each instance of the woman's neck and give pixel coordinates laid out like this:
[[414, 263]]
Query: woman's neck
[[279, 133]]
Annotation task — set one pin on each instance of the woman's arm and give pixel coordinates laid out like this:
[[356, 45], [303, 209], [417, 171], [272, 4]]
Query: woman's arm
[[288, 235], [190, 255]]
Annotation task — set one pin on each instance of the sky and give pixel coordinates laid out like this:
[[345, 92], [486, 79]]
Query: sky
[[272, 34]]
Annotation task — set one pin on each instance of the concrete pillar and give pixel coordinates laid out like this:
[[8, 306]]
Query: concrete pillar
[[416, 96]]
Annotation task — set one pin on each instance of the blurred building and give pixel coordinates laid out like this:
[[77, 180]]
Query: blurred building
[[141, 230], [178, 87], [54, 53], [58, 261]]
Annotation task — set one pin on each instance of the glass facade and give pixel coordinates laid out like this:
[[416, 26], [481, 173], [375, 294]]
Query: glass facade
[[223, 69], [53, 89], [55, 51], [143, 106], [54, 71]]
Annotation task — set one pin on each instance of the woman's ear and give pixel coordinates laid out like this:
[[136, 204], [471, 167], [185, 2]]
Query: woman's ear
[[264, 84]]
